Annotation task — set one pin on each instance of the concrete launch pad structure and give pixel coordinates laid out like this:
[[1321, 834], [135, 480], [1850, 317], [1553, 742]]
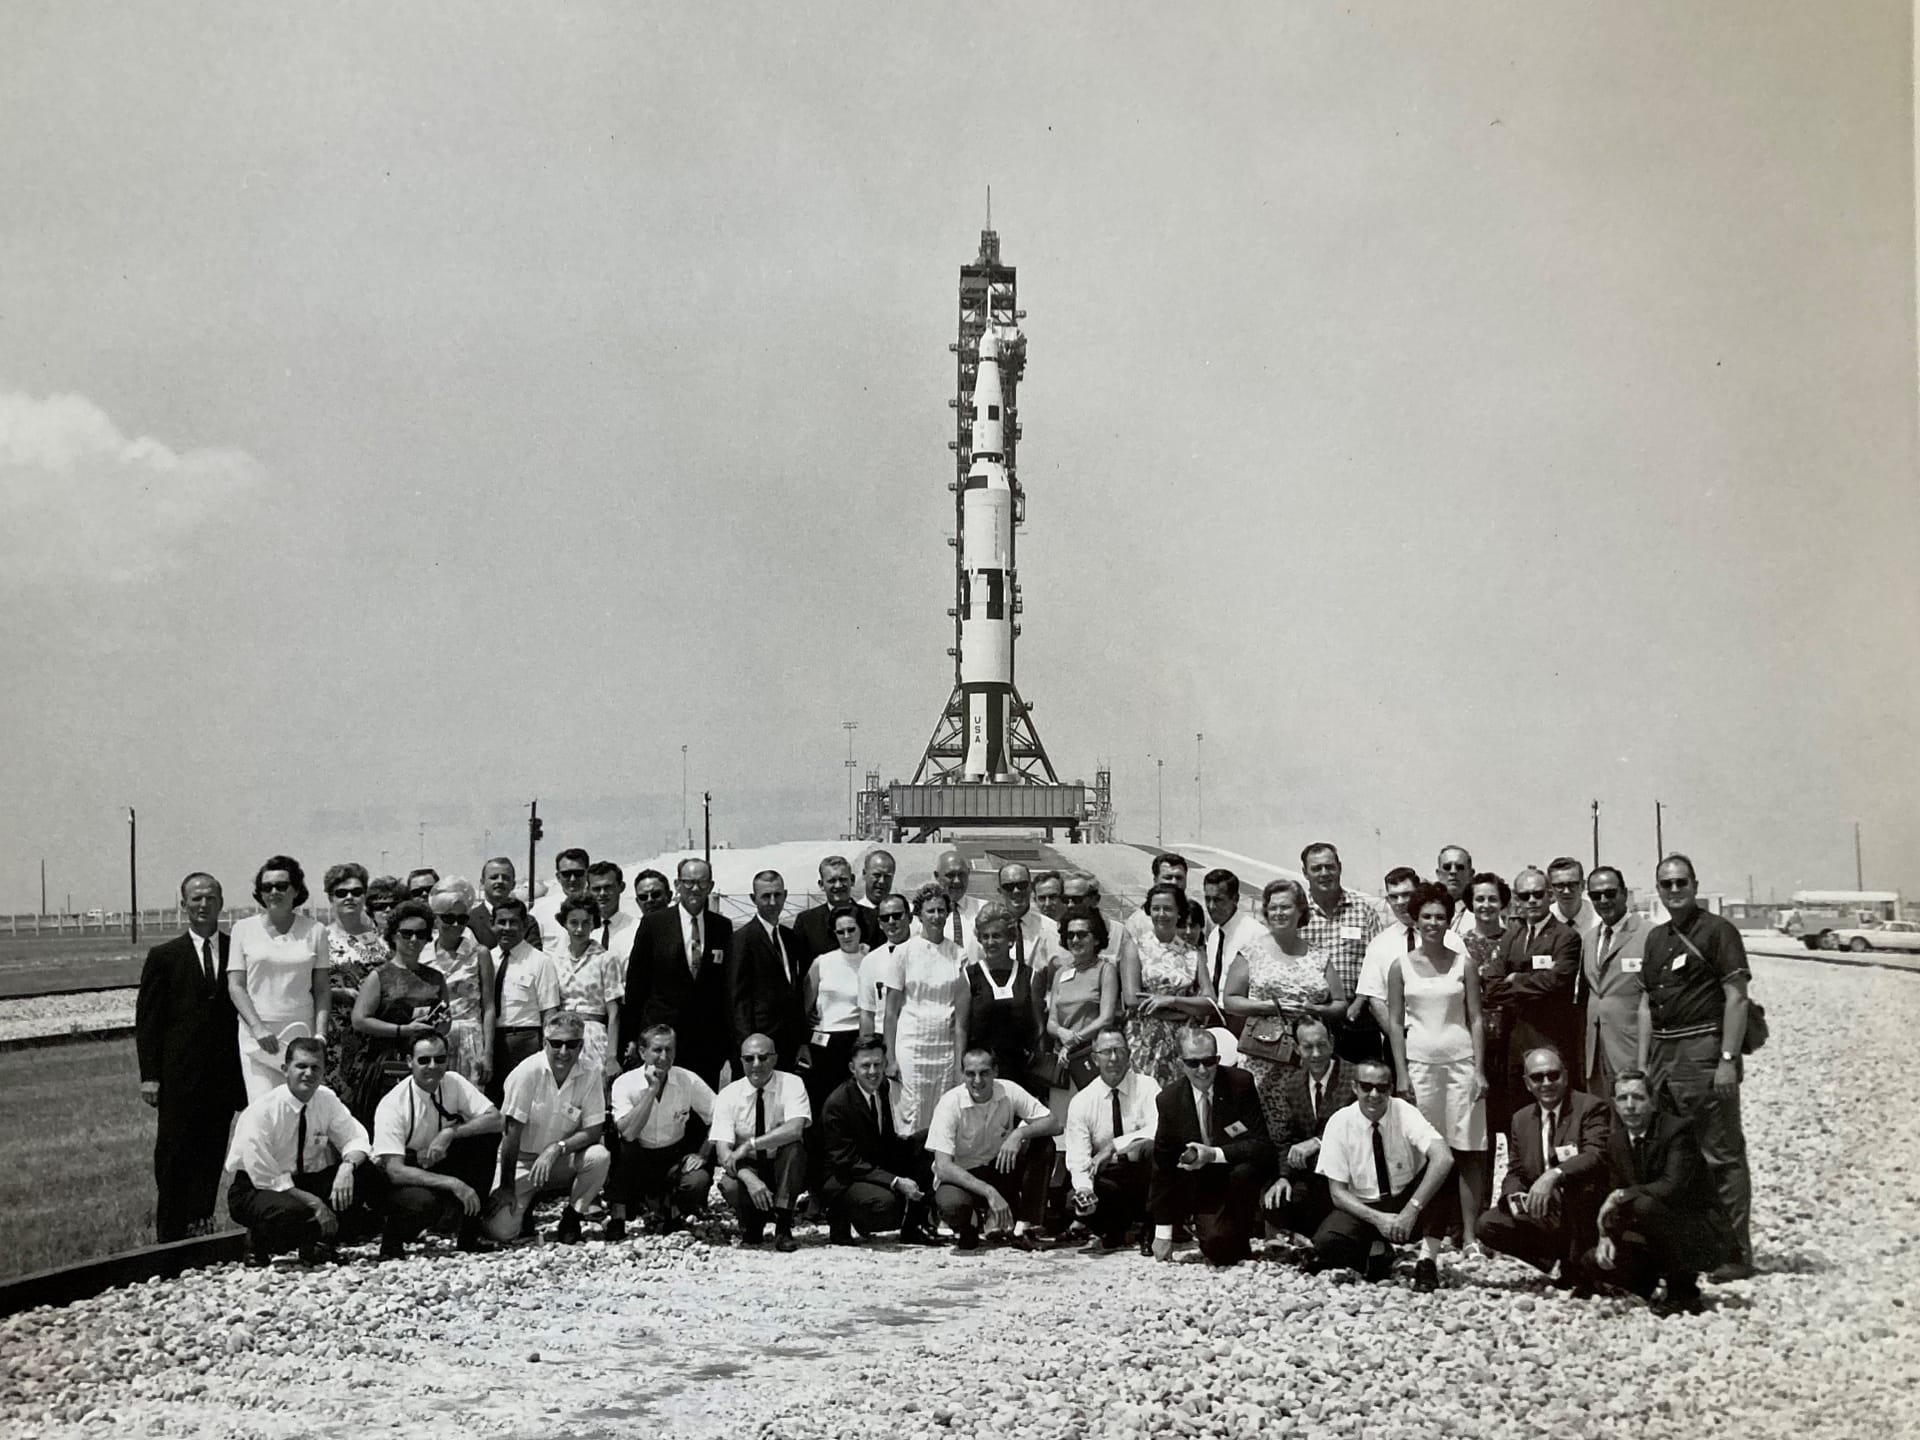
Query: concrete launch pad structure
[[985, 766]]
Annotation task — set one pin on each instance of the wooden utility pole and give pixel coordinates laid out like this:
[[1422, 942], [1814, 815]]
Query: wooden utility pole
[[1596, 834], [133, 877]]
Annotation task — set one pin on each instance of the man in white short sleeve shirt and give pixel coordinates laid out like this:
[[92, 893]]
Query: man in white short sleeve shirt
[[989, 1136], [758, 1124], [1384, 1165], [554, 1108], [436, 1137], [662, 1112]]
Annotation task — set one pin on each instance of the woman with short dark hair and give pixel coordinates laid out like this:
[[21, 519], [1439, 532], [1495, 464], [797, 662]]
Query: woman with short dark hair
[[277, 973], [355, 949], [1160, 987], [399, 1002]]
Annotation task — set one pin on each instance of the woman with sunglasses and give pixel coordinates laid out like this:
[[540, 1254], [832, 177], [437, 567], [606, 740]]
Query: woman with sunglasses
[[592, 983], [1083, 999], [383, 893], [277, 973], [920, 1013], [467, 966], [355, 949], [833, 1007], [400, 1001], [1160, 984], [1488, 898], [1439, 1044]]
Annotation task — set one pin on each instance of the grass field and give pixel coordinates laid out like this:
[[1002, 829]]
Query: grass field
[[43, 964], [76, 1156]]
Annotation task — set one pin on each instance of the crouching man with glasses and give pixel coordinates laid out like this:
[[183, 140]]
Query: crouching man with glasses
[[435, 1136], [555, 1109], [1385, 1166]]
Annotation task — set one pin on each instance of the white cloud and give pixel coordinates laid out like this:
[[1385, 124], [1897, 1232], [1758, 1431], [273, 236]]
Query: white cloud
[[81, 500]]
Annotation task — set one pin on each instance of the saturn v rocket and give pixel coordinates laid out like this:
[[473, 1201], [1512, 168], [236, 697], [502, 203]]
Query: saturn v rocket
[[987, 579]]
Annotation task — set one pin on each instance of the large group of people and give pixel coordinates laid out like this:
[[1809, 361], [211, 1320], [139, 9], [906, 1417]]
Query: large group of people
[[1023, 1068]]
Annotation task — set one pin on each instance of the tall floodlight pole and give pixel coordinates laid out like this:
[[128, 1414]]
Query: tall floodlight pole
[[1199, 790], [1160, 801], [850, 726], [133, 877], [1596, 834], [683, 797], [1859, 871]]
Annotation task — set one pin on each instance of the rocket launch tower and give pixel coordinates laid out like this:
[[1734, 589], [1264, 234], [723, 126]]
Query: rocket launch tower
[[985, 765]]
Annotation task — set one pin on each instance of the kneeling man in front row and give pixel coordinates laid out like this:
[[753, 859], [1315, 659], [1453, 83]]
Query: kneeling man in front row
[[1384, 1165], [662, 1112], [1212, 1155], [437, 1138], [555, 1110], [875, 1179], [990, 1138], [1109, 1143], [759, 1122], [300, 1165], [1556, 1174]]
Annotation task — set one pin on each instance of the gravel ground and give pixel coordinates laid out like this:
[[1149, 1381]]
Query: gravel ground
[[59, 1014], [680, 1337]]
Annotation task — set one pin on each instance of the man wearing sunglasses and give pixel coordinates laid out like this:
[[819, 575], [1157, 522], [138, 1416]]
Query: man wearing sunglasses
[[1612, 958], [420, 883], [555, 1109], [1386, 1170], [1693, 1027], [1212, 1155], [1531, 976], [1454, 869], [1556, 1176], [1036, 939], [570, 877], [435, 1135]]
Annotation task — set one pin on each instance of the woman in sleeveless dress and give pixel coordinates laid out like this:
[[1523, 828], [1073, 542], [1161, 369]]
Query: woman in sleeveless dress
[[591, 983], [1082, 999], [355, 949], [467, 967], [1001, 1009], [1160, 988], [920, 1012], [277, 974], [399, 1002], [1439, 1046]]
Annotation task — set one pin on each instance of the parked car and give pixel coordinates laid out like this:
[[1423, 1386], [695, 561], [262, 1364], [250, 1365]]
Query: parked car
[[1894, 935], [97, 914]]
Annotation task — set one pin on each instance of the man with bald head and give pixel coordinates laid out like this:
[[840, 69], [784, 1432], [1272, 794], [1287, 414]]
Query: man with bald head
[[813, 927], [676, 975], [955, 874], [877, 869], [759, 1124], [1556, 1171], [1454, 869]]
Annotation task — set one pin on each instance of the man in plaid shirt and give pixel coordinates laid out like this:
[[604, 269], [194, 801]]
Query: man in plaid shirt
[[1342, 924]]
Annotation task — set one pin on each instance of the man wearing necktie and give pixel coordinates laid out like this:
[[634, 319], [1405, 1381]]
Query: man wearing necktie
[[185, 1034], [436, 1137], [1614, 954], [1530, 978], [758, 1125], [1298, 1201], [875, 1179], [676, 975], [300, 1165], [1385, 1166], [1229, 931], [765, 975], [1109, 1143], [1557, 1164], [1212, 1155]]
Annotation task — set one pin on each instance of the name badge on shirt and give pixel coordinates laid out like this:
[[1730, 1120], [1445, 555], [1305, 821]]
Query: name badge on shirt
[[1630, 964], [1236, 1130], [1543, 962], [1678, 962], [1565, 1152], [1349, 932], [570, 1114]]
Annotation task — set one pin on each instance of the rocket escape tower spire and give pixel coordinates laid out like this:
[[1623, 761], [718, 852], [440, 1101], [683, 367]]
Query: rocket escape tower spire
[[986, 735]]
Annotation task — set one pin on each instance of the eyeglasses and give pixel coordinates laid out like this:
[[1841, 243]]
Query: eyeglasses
[[1549, 1076], [1529, 894], [571, 874], [1608, 894], [405, 934], [756, 1059], [1203, 1062], [1016, 885], [420, 892], [1565, 887], [276, 887], [1675, 884], [348, 892], [1074, 937], [451, 919], [433, 1060], [379, 907], [1455, 867], [565, 1044], [846, 934], [1374, 1087]]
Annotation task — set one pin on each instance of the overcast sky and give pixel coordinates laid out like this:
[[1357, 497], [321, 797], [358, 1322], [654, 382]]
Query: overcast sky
[[1457, 414]]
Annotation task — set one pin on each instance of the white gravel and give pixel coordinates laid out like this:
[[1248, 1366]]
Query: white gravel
[[62, 1014], [679, 1338]]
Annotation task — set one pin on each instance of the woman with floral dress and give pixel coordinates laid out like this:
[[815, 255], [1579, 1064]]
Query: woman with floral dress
[[592, 982], [1276, 982], [355, 949], [1160, 988], [467, 966]]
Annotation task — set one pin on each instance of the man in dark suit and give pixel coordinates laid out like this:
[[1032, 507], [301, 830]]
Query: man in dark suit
[[814, 927], [1299, 1200], [875, 1178], [1530, 983], [766, 976], [186, 1033], [1556, 1174], [1663, 1216], [676, 975], [1212, 1155]]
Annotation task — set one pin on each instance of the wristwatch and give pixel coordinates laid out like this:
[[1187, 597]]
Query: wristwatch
[[1726, 1057]]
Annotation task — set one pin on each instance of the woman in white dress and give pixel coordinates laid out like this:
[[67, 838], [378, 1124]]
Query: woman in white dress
[[919, 1024], [279, 972]]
